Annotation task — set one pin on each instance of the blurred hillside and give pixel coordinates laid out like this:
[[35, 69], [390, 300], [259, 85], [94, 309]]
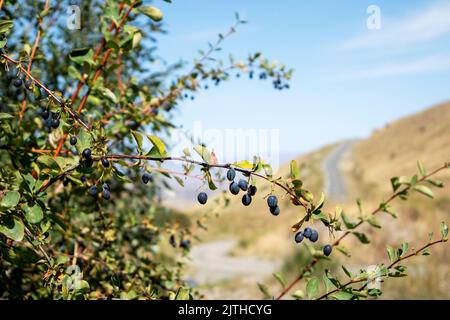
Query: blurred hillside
[[367, 167]]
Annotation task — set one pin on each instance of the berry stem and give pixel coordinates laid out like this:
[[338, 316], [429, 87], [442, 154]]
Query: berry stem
[[32, 55]]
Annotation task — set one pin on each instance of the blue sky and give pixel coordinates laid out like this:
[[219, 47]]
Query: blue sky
[[348, 80]]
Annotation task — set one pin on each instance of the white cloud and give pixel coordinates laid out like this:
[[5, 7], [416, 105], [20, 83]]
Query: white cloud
[[428, 24], [434, 63]]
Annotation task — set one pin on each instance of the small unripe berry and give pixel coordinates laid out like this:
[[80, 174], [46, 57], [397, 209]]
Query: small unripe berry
[[327, 250], [246, 199], [93, 190], [55, 123], [146, 178], [272, 201], [252, 190], [307, 232], [105, 162], [243, 184], [87, 153], [234, 188], [231, 174], [202, 197], [275, 210], [299, 237], [314, 236], [106, 194], [73, 140]]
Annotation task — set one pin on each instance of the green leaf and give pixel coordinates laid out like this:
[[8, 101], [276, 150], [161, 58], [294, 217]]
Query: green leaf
[[424, 190], [82, 55], [5, 116], [152, 12], [5, 26], [392, 254], [435, 183], [33, 213], [203, 153], [265, 291], [444, 231], [280, 278], [10, 200], [422, 170], [347, 272], [48, 162], [361, 237], [395, 182], [312, 287], [138, 138], [208, 177], [342, 295], [13, 228], [405, 247], [347, 222], [295, 170], [307, 195], [157, 143], [183, 294], [244, 164]]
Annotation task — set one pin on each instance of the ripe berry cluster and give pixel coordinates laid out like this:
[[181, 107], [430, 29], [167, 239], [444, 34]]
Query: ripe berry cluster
[[51, 119], [106, 191], [242, 184], [313, 236]]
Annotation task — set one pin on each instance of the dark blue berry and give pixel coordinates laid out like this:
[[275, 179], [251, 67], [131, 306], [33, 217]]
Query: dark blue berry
[[55, 123], [299, 237], [106, 187], [29, 84], [185, 243], [234, 188], [275, 210], [17, 83], [314, 236], [106, 194], [87, 153], [146, 178], [88, 162], [272, 201], [231, 174], [243, 184], [172, 241], [307, 232], [202, 197], [252, 190], [45, 114], [105, 162], [246, 199], [73, 140], [55, 115], [83, 179], [327, 250], [93, 190]]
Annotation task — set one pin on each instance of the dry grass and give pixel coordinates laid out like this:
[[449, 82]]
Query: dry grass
[[394, 151]]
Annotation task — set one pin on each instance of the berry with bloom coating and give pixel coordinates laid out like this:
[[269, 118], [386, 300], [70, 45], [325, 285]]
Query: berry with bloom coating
[[17, 83], [243, 184], [146, 178], [86, 153], [299, 237], [307, 232], [275, 210], [314, 236], [202, 197], [231, 173], [106, 194], [105, 162], [93, 190], [327, 250], [234, 188], [73, 140], [272, 201], [252, 190], [246, 199]]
